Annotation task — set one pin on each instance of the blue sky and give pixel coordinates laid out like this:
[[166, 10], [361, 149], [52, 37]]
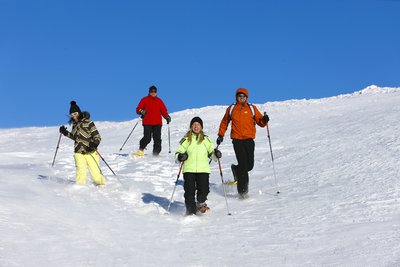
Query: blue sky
[[105, 54]]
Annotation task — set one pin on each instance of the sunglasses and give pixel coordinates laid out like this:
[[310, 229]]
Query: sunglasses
[[241, 95], [153, 92], [74, 114]]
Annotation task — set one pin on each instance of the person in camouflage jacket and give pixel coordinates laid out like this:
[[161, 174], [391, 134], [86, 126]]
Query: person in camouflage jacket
[[87, 138]]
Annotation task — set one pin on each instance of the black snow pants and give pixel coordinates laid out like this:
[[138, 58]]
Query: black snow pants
[[244, 150], [148, 132], [193, 182]]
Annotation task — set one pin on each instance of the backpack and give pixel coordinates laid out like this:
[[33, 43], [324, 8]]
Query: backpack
[[251, 108]]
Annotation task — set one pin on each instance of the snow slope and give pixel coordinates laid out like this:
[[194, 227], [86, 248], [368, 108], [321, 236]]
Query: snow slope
[[337, 168]]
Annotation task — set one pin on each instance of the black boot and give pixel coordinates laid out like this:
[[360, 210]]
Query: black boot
[[233, 168], [244, 195], [190, 210]]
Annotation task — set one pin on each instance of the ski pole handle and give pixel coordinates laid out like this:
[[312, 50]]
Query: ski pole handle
[[211, 157]]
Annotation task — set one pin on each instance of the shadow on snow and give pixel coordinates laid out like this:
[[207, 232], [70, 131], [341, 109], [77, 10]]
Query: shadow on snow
[[57, 180], [176, 206]]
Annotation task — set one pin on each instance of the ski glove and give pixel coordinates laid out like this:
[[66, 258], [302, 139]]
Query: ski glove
[[217, 153], [265, 118], [93, 145], [168, 119], [142, 112], [219, 140], [63, 130], [182, 156]]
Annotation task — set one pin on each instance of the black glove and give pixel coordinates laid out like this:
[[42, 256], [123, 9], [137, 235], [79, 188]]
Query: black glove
[[182, 156], [168, 118], [142, 112], [265, 118], [63, 130], [93, 145], [217, 153], [219, 140]]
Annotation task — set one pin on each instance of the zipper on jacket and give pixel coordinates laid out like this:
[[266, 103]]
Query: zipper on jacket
[[241, 114], [197, 153]]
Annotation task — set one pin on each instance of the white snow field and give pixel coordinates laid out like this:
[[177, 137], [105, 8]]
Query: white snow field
[[337, 167]]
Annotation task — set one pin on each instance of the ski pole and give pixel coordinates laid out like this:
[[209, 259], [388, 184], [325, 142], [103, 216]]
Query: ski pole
[[169, 140], [105, 162], [272, 158], [209, 162], [55, 154], [95, 161], [129, 135], [223, 185], [176, 183]]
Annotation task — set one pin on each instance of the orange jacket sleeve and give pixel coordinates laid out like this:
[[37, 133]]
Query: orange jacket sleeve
[[224, 123], [259, 117]]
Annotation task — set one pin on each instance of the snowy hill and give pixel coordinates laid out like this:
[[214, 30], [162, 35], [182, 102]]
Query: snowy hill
[[337, 168]]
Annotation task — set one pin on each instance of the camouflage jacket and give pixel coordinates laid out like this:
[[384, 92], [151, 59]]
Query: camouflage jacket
[[84, 132]]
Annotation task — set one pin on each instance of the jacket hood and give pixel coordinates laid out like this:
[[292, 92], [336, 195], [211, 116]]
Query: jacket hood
[[85, 115]]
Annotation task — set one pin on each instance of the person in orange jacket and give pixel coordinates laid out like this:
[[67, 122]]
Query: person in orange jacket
[[244, 117]]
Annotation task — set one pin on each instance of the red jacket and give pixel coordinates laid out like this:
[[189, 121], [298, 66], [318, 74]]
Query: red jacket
[[155, 108]]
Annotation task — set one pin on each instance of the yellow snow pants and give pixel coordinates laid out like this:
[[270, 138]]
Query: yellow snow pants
[[90, 160]]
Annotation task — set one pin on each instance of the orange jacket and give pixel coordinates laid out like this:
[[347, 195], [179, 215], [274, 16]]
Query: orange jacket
[[243, 124]]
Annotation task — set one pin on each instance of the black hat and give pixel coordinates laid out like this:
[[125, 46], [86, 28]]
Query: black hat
[[152, 88], [196, 119], [74, 108]]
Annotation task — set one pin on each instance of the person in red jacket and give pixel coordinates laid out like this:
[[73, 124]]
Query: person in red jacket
[[244, 117], [151, 108]]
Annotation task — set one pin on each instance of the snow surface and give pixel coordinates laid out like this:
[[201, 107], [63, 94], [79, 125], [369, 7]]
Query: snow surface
[[337, 166]]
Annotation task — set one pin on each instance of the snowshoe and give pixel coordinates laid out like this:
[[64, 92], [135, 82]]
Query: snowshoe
[[202, 207], [231, 183], [139, 154]]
